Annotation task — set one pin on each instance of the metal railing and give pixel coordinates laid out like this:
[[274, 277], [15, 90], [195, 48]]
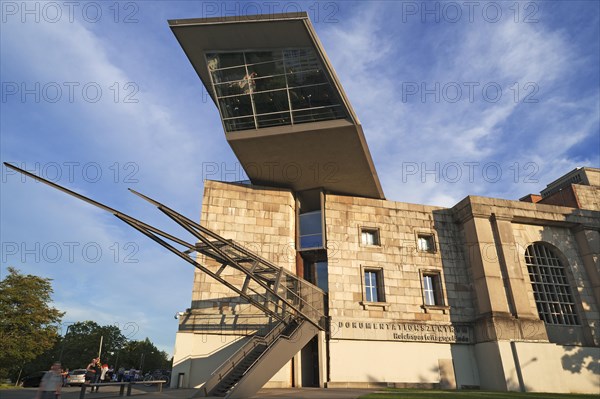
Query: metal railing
[[238, 356]]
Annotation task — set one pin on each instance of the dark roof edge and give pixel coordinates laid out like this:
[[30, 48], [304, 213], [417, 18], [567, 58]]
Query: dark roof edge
[[238, 19]]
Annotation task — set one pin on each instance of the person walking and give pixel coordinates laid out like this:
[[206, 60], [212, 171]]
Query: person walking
[[51, 383]]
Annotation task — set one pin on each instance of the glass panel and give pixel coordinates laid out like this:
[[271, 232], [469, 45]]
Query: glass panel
[[224, 60], [371, 287], [304, 78], [298, 60], [268, 69], [232, 107], [427, 283], [311, 241], [368, 296], [245, 123], [368, 238], [311, 231], [269, 83], [229, 75], [428, 290], [271, 101], [322, 276], [310, 223], [254, 57], [319, 114], [228, 89], [312, 96], [279, 119]]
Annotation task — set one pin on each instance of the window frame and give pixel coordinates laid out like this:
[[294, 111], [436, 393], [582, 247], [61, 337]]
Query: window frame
[[551, 286], [381, 297], [322, 233], [377, 235], [433, 242], [437, 288]]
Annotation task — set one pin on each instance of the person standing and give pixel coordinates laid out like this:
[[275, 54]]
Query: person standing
[[95, 370], [51, 383], [103, 373]]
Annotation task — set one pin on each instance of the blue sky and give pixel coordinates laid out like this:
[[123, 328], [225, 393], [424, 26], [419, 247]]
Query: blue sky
[[485, 98]]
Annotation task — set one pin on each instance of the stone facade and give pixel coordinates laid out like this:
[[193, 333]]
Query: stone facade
[[484, 329]]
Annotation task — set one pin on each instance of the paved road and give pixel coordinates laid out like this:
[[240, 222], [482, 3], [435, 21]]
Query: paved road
[[151, 393]]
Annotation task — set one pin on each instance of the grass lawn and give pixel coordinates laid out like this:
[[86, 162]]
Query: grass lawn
[[391, 393], [9, 386]]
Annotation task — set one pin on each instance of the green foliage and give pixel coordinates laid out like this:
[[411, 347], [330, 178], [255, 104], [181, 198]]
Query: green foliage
[[29, 334], [143, 354], [82, 341], [27, 321]]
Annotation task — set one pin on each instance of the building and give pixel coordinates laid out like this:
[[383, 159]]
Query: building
[[369, 292]]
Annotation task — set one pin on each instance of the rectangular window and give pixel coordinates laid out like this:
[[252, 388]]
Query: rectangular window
[[371, 286], [311, 230], [432, 289], [369, 237], [425, 243]]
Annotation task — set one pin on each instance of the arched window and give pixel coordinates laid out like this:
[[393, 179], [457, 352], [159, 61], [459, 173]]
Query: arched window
[[551, 288]]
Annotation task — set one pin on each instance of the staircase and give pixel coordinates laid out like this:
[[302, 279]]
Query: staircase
[[238, 371], [247, 370], [296, 305]]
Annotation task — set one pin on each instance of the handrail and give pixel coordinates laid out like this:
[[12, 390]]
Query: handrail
[[228, 365], [269, 346]]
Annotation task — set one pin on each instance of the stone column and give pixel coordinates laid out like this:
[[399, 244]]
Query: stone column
[[483, 258], [527, 324], [588, 241]]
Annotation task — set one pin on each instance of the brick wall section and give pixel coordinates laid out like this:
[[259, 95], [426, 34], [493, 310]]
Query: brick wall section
[[398, 224], [565, 197]]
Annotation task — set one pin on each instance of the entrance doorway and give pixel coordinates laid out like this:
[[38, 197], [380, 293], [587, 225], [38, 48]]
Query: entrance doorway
[[310, 363]]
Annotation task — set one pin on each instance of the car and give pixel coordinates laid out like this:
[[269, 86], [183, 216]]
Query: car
[[76, 377], [33, 380]]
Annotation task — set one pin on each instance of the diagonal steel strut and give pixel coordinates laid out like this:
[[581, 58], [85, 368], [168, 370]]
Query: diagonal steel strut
[[292, 301], [154, 234], [198, 230]]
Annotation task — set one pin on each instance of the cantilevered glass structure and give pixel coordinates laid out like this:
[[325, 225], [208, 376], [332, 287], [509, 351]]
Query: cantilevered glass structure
[[283, 108], [257, 89]]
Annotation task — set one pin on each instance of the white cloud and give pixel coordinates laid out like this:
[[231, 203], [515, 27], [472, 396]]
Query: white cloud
[[374, 64]]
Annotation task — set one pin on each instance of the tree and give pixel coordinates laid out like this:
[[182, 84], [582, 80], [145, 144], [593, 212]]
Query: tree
[[28, 324], [143, 355], [81, 343]]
